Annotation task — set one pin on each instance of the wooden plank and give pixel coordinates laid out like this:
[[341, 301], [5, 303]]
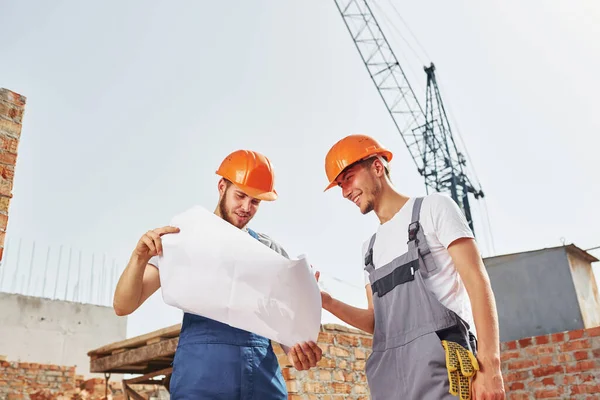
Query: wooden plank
[[144, 378], [133, 394], [135, 356], [168, 332]]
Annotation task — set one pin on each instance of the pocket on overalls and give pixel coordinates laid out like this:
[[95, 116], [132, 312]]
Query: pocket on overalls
[[398, 276]]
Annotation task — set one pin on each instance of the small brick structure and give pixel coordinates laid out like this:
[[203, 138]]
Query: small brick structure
[[12, 107], [31, 381], [561, 365], [340, 373]]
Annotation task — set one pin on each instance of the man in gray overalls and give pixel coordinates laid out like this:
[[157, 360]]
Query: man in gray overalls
[[430, 304], [215, 360]]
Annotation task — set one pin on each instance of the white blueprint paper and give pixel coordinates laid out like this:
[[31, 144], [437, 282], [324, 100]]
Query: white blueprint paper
[[216, 270]]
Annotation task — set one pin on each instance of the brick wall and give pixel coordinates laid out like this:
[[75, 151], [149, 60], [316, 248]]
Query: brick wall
[[561, 365], [340, 373], [12, 106], [558, 366], [18, 379], [30, 381]]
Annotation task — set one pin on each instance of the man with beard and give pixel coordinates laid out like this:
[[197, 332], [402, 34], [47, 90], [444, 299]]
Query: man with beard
[[214, 360], [431, 308]]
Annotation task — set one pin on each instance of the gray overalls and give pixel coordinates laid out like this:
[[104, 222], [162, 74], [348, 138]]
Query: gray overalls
[[408, 360]]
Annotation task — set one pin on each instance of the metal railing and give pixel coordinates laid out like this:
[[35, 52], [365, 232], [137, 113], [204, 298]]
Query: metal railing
[[58, 272]]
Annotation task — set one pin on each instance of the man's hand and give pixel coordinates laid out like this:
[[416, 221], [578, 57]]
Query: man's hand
[[325, 297], [304, 355], [150, 244], [488, 384]]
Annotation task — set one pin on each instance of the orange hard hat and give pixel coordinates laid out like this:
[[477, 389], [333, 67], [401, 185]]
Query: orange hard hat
[[252, 172], [349, 150]]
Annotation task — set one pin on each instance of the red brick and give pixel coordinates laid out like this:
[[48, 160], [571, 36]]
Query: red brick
[[509, 355], [548, 393], [8, 144], [358, 366], [548, 370], [325, 337], [586, 377], [326, 362], [521, 364], [582, 389], [580, 366], [558, 337], [525, 342], [578, 334], [314, 387], [548, 381], [512, 345], [286, 373], [8, 158], [575, 345], [593, 331], [516, 386], [519, 396], [341, 387], [581, 355], [347, 340], [517, 376], [544, 339], [366, 342], [570, 379], [564, 357], [546, 360], [339, 352]]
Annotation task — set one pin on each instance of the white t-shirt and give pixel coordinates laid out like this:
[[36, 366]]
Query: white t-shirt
[[442, 222]]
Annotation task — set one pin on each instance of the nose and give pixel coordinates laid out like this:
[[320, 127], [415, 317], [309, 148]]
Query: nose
[[346, 192], [246, 204]]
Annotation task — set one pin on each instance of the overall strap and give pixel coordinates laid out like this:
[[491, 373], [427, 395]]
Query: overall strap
[[369, 267], [418, 243]]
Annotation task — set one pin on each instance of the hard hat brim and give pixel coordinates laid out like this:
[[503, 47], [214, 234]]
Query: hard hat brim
[[386, 154], [258, 194]]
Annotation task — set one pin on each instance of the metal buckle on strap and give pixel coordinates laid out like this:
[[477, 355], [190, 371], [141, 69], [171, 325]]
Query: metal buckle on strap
[[413, 228], [369, 258]]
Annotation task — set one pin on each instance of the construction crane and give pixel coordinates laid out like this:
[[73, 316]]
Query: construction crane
[[427, 134]]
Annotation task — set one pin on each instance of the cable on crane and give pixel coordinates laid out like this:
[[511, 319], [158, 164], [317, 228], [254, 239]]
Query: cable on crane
[[410, 31]]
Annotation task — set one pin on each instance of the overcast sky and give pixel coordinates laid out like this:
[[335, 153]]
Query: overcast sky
[[132, 105]]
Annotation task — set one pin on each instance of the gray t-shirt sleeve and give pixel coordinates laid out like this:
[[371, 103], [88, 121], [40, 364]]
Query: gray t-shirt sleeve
[[265, 239]]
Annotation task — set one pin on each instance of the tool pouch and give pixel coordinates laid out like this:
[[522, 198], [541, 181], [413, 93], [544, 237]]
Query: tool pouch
[[462, 366]]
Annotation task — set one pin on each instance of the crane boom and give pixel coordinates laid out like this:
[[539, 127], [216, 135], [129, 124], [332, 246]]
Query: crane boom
[[426, 134]]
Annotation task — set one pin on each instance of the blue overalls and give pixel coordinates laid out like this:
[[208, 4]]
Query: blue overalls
[[217, 361]]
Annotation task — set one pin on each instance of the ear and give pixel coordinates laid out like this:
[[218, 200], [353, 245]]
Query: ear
[[378, 168], [222, 185]]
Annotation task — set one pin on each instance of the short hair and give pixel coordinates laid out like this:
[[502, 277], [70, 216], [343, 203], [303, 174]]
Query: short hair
[[367, 162]]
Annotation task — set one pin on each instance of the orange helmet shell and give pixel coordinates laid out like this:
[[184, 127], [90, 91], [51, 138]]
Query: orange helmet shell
[[349, 150], [252, 172]]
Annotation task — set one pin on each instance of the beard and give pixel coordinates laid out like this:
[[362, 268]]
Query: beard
[[373, 194], [227, 215]]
